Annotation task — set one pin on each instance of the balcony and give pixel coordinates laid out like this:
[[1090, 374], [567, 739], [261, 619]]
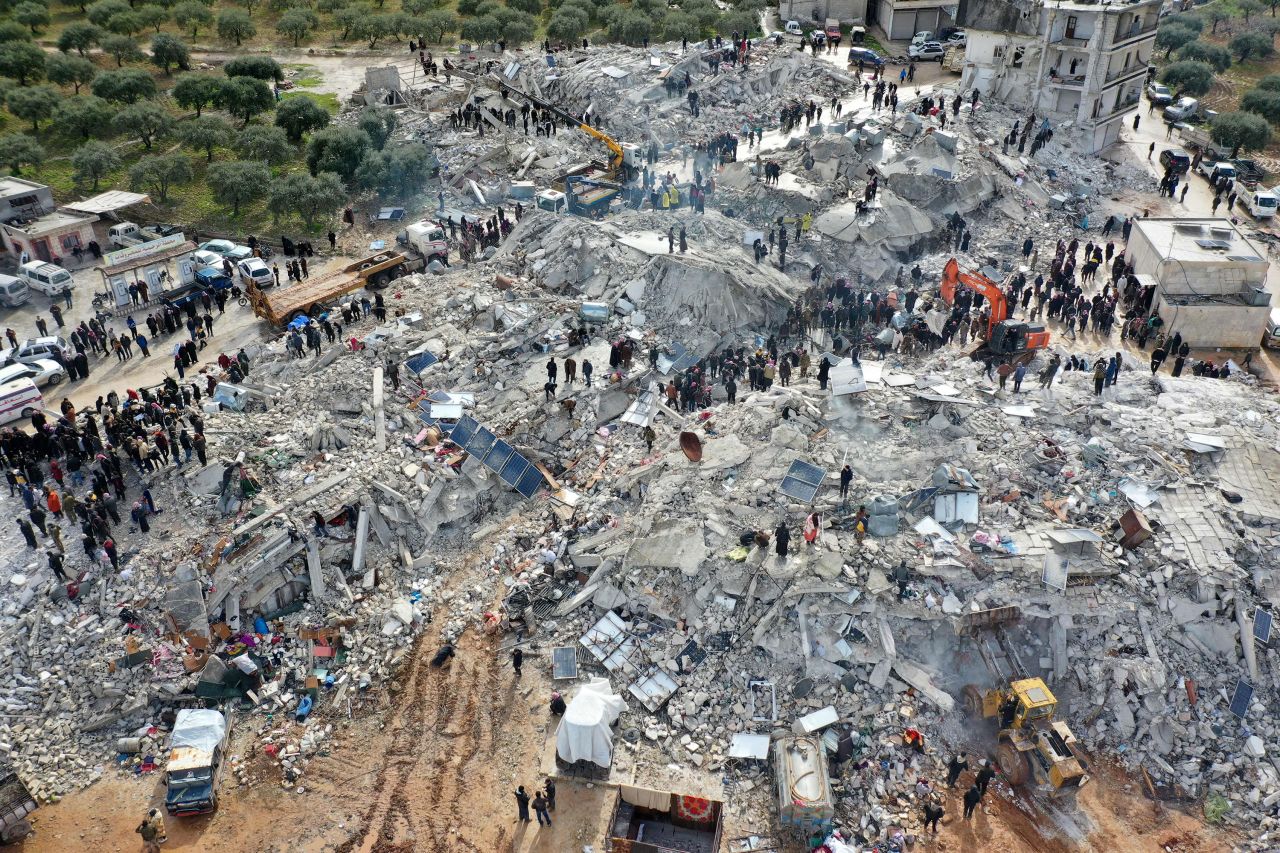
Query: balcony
[[1071, 42], [1133, 71], [1110, 114], [1129, 35], [1074, 81]]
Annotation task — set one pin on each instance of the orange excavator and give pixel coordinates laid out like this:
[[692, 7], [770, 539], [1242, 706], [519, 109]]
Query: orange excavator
[[1007, 340]]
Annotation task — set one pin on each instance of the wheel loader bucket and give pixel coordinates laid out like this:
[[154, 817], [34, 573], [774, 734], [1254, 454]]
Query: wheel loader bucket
[[971, 624]]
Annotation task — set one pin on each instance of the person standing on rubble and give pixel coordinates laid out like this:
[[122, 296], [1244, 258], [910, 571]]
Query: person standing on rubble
[[782, 538], [1100, 376], [902, 577], [971, 799], [983, 779], [958, 764], [846, 477], [933, 812], [522, 804], [570, 371], [27, 532], [552, 370], [812, 528], [517, 660], [586, 372], [649, 437]]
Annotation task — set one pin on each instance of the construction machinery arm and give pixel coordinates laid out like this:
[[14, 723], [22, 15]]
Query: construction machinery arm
[[615, 150], [951, 277]]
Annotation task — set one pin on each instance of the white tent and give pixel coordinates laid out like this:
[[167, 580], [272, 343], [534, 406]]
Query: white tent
[[584, 733]]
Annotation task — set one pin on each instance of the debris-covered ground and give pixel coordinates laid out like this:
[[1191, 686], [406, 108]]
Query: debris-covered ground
[[341, 534]]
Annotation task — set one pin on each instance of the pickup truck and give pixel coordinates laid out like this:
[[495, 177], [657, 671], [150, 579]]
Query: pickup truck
[[1260, 202], [197, 750], [129, 234]]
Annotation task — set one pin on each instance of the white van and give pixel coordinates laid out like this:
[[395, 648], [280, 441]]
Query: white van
[[794, 28], [48, 279], [922, 37], [19, 399], [13, 291]]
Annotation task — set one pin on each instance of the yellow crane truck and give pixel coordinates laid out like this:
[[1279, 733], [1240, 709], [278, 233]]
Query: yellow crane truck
[[1030, 744]]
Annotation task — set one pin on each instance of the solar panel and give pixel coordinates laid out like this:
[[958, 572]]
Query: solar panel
[[498, 456], [1241, 698], [564, 662], [515, 467], [464, 430], [421, 362], [481, 442], [1262, 625], [530, 482], [802, 481]]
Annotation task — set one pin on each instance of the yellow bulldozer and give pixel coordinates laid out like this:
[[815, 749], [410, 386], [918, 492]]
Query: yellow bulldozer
[[1031, 746]]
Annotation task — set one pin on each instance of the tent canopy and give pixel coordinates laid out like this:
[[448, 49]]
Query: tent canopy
[[108, 202], [585, 733]]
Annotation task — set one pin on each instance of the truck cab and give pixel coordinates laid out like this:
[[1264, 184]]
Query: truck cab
[[194, 768], [429, 239], [832, 28], [1259, 202]]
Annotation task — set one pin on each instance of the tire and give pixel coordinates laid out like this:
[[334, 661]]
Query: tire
[[243, 300], [972, 698], [57, 377], [378, 282], [1013, 764], [28, 412], [15, 832]]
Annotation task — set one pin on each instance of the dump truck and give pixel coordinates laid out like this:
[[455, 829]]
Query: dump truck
[[1031, 746], [309, 296], [16, 803], [197, 750]]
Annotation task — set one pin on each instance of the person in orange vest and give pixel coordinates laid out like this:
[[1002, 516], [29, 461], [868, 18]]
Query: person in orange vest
[[912, 738], [55, 503]]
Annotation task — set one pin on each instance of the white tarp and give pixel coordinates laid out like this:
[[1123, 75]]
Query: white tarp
[[585, 733], [199, 729], [107, 202]]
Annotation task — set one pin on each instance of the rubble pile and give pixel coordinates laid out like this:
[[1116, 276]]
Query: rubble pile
[[1135, 533]]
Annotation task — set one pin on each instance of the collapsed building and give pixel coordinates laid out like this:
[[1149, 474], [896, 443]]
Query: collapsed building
[[1135, 536]]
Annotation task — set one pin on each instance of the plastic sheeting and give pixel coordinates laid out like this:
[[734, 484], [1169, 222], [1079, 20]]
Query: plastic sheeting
[[199, 729], [585, 733]]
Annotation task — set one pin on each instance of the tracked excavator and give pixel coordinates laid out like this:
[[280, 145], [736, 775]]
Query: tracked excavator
[[1031, 746], [1011, 341]]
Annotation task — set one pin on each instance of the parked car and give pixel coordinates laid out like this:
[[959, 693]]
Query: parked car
[[926, 51], [44, 371], [205, 258], [34, 349], [49, 279], [213, 278], [1175, 160], [227, 249], [1184, 109], [922, 37], [1159, 94], [253, 269], [13, 291], [957, 38], [865, 55], [794, 28]]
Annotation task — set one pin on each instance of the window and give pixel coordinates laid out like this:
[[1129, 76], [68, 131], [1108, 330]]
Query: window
[[998, 52], [70, 241], [1071, 26], [24, 200]]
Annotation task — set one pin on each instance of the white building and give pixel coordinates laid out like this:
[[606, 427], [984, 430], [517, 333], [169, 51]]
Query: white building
[[1210, 280], [1082, 65], [813, 14], [902, 19]]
